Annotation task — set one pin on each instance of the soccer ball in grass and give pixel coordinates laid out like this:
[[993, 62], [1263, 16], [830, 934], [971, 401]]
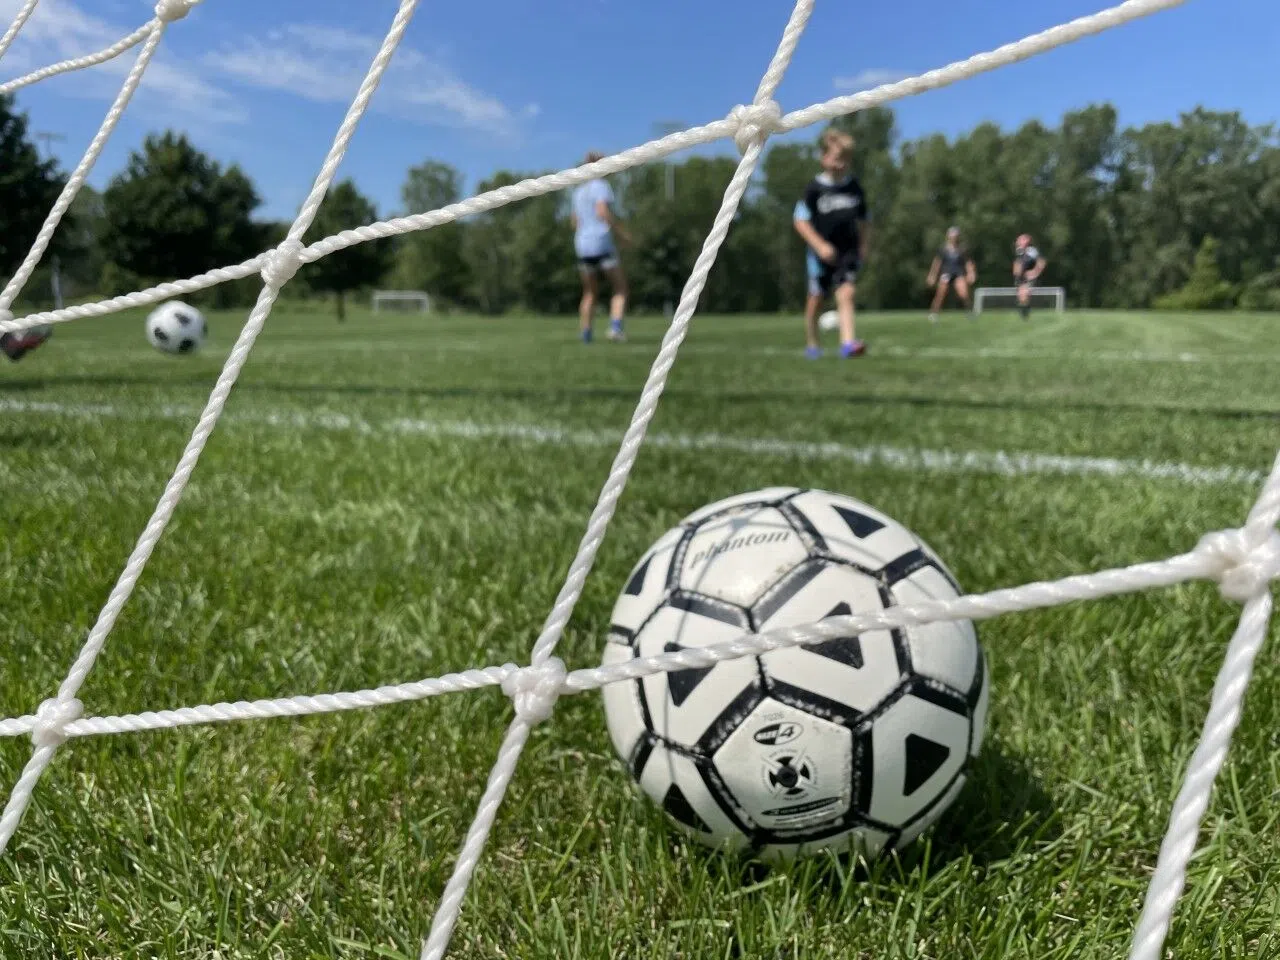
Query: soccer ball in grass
[[176, 327], [829, 320], [857, 743]]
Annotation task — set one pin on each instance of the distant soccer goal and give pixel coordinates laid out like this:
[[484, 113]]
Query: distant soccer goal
[[1006, 298], [414, 301]]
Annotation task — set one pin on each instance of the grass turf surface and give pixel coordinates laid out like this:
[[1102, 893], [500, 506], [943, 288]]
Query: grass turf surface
[[398, 497]]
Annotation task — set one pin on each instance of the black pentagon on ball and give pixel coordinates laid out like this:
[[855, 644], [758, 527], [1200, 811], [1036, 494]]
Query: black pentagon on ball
[[187, 345], [184, 318], [159, 334]]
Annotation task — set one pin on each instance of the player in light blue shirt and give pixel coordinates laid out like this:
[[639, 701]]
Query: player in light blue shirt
[[594, 226]]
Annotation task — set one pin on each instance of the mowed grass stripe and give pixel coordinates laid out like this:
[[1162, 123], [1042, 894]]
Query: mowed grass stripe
[[895, 458]]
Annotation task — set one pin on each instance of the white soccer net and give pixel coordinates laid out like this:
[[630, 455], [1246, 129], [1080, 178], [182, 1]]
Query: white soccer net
[[401, 300], [1243, 561], [1006, 298]]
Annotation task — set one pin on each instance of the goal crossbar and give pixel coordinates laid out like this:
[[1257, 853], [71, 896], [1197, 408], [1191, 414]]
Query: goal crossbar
[[1243, 561], [983, 294], [417, 297]]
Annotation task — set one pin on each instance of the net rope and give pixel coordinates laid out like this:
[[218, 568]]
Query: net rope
[[1243, 562]]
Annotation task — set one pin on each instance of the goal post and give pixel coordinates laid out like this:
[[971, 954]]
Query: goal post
[[1007, 297], [401, 300]]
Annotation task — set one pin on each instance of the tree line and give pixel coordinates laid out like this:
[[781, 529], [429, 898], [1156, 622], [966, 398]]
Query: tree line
[[1182, 215]]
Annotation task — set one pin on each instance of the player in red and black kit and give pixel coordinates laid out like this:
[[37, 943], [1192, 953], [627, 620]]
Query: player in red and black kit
[[1028, 264], [952, 266], [832, 220]]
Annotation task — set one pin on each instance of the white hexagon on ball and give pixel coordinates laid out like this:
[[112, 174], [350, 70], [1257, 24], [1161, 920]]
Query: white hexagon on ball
[[177, 328], [857, 742]]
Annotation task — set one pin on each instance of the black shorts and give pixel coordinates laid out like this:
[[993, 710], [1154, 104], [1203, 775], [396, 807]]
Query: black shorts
[[844, 270], [603, 261], [946, 277]]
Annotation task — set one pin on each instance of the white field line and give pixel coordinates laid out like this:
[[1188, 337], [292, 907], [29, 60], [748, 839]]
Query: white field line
[[896, 458], [441, 345]]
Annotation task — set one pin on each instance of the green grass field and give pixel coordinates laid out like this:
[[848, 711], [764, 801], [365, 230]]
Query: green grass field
[[398, 497]]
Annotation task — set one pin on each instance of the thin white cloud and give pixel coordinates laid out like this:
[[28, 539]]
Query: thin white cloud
[[171, 89], [327, 64], [869, 79]]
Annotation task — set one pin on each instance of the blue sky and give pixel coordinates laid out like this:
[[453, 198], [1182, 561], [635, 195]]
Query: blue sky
[[531, 84]]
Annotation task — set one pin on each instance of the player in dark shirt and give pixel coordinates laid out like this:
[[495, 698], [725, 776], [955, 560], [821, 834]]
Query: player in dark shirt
[[952, 266], [832, 220], [1028, 264]]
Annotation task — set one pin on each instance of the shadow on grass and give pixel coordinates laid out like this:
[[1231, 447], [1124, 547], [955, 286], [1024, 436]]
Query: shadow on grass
[[629, 394]]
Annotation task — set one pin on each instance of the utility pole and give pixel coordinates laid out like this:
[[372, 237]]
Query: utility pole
[[663, 128], [55, 273]]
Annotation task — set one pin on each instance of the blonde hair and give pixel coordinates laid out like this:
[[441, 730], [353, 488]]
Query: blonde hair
[[831, 137]]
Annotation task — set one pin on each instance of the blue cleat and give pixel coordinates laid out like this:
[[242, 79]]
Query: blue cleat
[[855, 348], [813, 353]]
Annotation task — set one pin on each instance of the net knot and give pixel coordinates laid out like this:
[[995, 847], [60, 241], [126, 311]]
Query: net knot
[[282, 263], [1247, 561], [5, 315], [52, 718], [534, 690], [171, 10], [755, 122]]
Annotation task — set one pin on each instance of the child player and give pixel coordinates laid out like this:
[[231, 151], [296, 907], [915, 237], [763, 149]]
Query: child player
[[832, 220], [952, 267], [1028, 264]]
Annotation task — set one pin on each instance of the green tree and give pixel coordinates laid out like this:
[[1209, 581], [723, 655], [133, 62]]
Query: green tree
[[1205, 289], [356, 267], [433, 260], [29, 187], [174, 212]]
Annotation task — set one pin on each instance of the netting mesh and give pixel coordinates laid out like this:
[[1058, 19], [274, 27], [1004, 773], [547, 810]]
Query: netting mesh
[[1243, 561]]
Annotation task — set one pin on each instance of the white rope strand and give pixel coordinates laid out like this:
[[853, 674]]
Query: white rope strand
[[277, 271], [455, 890], [979, 63], [1258, 563], [541, 660], [16, 26], [1206, 562], [645, 153], [80, 63], [298, 706], [1244, 562], [81, 173]]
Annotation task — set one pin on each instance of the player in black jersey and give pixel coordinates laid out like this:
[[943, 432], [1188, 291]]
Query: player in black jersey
[[832, 220], [951, 267], [1028, 264]]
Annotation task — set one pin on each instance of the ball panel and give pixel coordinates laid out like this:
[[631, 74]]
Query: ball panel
[[861, 840], [739, 555], [853, 530], [646, 584], [674, 782], [918, 748], [623, 712], [685, 705], [765, 496], [945, 651], [931, 816], [857, 672], [787, 769], [979, 698]]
